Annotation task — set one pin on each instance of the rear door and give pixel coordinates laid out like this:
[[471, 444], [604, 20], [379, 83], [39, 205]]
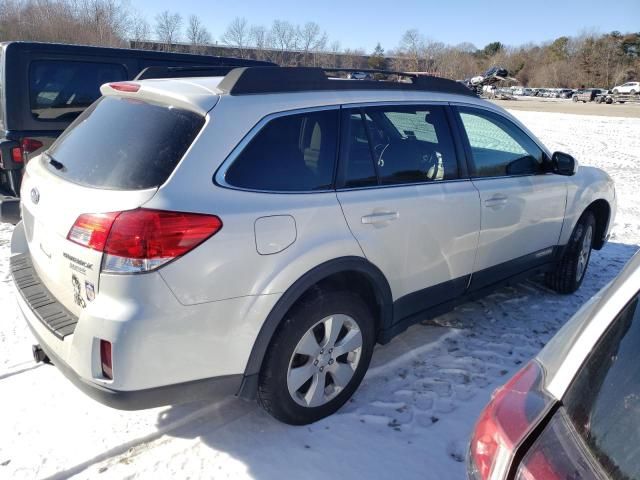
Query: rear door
[[112, 158], [522, 206], [402, 194], [596, 432]]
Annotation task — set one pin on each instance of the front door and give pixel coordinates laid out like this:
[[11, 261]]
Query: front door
[[522, 206], [401, 195]]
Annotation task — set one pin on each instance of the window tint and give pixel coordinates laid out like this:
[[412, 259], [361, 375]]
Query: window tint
[[124, 144], [603, 403], [408, 145], [291, 153], [60, 90], [498, 147]]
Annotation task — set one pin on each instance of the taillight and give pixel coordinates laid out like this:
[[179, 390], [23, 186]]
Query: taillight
[[129, 87], [16, 155], [515, 409], [142, 240], [30, 145], [106, 359], [91, 230]]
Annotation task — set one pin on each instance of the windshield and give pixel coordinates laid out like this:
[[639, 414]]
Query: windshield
[[123, 144]]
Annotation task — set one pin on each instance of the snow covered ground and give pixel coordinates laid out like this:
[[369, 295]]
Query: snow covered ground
[[411, 417]]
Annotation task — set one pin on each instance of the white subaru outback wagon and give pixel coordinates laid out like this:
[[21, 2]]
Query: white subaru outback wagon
[[256, 234]]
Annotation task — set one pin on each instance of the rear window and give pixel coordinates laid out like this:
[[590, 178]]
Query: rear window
[[61, 90], [603, 403], [291, 153], [123, 144]]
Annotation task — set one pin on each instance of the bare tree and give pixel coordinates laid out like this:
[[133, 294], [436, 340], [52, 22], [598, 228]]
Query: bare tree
[[283, 37], [139, 30], [311, 41], [105, 22], [168, 28], [198, 35], [258, 37], [237, 35], [411, 46]]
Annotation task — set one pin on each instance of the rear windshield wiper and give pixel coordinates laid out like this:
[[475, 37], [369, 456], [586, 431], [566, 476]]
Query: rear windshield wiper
[[55, 163]]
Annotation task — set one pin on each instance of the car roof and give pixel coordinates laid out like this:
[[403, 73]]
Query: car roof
[[297, 87]]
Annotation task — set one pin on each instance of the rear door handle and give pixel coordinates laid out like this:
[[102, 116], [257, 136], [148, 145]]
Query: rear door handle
[[380, 217], [497, 200]]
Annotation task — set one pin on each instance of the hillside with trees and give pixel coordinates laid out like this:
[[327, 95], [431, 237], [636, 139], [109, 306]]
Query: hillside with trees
[[589, 59]]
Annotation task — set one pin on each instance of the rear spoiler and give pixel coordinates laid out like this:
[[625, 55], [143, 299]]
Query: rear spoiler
[[191, 71]]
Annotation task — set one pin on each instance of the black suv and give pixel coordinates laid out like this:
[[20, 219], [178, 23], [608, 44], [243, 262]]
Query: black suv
[[45, 86]]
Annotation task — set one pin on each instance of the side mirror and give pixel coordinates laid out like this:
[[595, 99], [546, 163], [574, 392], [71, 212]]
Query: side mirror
[[564, 164]]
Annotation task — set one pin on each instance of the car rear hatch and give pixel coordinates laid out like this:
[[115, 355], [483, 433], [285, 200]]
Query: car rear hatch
[[112, 159]]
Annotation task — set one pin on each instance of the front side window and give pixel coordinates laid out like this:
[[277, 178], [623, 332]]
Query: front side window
[[290, 153], [499, 147], [603, 402], [61, 90], [397, 145]]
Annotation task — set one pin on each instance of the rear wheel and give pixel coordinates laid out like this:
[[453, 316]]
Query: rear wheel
[[632, 92], [570, 271], [317, 358], [575, 99]]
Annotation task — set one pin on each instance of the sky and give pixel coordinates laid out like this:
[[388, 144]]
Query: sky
[[363, 23]]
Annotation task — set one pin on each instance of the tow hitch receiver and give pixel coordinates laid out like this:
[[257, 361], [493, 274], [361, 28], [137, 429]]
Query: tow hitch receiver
[[39, 355]]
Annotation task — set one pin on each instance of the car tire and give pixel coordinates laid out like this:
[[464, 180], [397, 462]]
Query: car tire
[[575, 99], [301, 357], [572, 267], [632, 92]]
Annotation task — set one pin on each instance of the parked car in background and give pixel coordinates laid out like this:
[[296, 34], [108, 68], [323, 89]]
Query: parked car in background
[[165, 256], [528, 92], [45, 86], [629, 87], [565, 93], [588, 95], [360, 76], [574, 411]]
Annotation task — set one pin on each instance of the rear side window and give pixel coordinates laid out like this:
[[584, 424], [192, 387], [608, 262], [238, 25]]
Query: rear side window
[[396, 145], [61, 90], [290, 153], [498, 147], [124, 144], [603, 403]]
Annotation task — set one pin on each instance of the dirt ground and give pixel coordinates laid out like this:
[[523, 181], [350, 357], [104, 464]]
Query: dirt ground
[[567, 106]]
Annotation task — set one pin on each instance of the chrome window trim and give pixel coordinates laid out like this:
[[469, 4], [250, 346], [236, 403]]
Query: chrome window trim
[[399, 185], [219, 177]]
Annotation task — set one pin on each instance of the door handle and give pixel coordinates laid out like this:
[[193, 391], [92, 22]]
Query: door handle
[[380, 217], [497, 200]]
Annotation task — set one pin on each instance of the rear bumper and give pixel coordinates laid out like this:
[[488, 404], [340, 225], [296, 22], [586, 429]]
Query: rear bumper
[[209, 388], [163, 352], [9, 210]]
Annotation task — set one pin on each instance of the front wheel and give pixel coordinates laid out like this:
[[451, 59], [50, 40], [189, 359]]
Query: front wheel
[[570, 270], [317, 358]]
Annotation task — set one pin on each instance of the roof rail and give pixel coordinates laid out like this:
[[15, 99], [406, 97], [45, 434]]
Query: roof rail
[[252, 80], [193, 70]]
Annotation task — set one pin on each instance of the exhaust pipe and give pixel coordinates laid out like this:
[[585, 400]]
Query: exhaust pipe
[[39, 355]]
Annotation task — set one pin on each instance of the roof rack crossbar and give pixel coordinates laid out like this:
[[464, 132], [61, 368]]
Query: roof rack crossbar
[[254, 80]]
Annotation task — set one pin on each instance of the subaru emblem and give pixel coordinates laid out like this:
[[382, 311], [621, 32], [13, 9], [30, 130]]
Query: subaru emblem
[[35, 195]]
